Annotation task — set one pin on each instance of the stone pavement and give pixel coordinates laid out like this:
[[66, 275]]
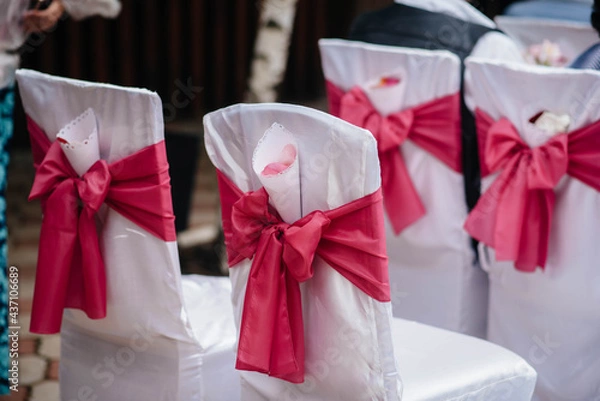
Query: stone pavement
[[39, 355]]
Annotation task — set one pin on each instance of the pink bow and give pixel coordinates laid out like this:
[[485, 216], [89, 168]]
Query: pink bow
[[349, 238], [434, 126], [70, 271], [514, 215]]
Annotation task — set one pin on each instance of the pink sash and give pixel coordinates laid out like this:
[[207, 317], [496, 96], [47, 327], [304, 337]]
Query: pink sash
[[70, 270], [434, 126], [350, 239], [514, 215]]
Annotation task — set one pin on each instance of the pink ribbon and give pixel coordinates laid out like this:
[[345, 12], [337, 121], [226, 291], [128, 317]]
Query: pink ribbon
[[70, 270], [350, 239], [434, 126]]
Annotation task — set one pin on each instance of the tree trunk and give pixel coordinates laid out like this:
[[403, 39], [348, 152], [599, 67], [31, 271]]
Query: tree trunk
[[271, 49]]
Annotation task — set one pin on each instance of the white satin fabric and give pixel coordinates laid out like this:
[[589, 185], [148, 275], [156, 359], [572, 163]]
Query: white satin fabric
[[573, 38], [440, 365], [549, 317], [433, 273], [349, 354], [164, 338]]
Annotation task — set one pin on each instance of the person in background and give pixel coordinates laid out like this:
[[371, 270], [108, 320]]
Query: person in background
[[566, 10], [18, 18], [590, 59]]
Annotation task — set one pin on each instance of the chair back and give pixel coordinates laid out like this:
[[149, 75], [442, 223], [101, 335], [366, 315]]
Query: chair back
[[548, 286], [347, 335], [139, 350], [431, 259]]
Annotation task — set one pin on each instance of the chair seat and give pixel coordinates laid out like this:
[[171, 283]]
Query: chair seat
[[208, 303], [437, 364]]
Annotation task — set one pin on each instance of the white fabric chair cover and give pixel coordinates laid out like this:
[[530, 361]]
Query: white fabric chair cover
[[335, 311], [338, 163], [573, 38], [549, 317], [164, 338], [433, 273]]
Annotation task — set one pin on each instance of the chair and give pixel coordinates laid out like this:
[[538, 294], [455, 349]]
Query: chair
[[538, 219], [433, 272], [572, 38], [283, 164], [155, 335]]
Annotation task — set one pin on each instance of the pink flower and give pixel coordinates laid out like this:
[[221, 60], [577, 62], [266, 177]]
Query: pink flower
[[546, 53]]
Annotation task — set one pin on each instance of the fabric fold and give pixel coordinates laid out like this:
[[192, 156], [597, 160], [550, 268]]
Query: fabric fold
[[70, 271]]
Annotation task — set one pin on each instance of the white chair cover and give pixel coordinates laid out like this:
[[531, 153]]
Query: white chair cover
[[338, 163], [163, 338], [433, 273], [549, 317], [573, 38], [335, 311]]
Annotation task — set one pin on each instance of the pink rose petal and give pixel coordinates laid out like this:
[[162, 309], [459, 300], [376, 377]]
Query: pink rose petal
[[288, 154], [286, 158]]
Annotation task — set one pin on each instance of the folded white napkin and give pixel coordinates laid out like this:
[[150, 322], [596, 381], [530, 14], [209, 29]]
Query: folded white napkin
[[273, 153], [79, 141]]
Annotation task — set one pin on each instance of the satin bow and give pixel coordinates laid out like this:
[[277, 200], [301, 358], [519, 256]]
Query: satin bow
[[514, 215], [70, 271], [433, 126], [350, 239]]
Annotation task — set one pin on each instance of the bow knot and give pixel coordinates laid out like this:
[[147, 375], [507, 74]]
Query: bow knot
[[93, 186], [257, 225], [395, 129], [542, 166], [390, 131]]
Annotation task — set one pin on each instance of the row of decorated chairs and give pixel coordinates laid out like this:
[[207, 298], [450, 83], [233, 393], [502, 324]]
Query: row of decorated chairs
[[305, 314], [310, 221], [537, 219]]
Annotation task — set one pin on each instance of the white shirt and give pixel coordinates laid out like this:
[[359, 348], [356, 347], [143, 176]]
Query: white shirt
[[12, 35]]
